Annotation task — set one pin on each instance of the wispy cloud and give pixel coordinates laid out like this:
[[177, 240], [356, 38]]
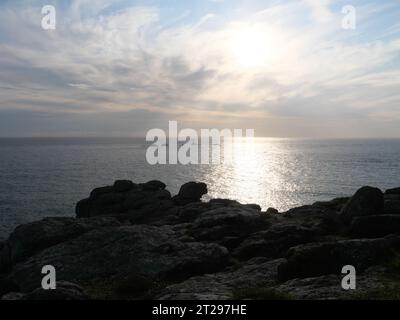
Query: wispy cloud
[[106, 58]]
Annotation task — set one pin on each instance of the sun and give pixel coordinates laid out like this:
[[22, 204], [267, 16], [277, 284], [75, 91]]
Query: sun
[[251, 47]]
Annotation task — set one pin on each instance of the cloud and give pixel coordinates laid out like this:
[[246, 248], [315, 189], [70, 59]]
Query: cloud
[[106, 58]]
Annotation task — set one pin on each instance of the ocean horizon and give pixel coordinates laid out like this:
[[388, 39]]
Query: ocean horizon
[[47, 176]]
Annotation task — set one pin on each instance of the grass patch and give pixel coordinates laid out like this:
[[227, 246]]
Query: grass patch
[[260, 294]]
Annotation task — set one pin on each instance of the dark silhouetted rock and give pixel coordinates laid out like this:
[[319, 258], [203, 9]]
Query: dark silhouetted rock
[[7, 286], [326, 287], [185, 248], [375, 226], [392, 206], [323, 220], [218, 224], [123, 185], [32, 237], [153, 252], [102, 190], [190, 192], [336, 204], [154, 185], [316, 259], [274, 242], [255, 273], [5, 257], [253, 206], [272, 211], [395, 191], [367, 201], [125, 198]]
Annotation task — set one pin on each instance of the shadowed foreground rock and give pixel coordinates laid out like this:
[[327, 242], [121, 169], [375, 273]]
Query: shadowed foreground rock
[[367, 201], [134, 240], [316, 259]]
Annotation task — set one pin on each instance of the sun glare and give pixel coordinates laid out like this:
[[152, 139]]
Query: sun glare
[[251, 47]]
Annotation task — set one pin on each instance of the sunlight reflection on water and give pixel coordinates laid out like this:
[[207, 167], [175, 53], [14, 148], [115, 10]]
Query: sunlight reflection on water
[[46, 177], [283, 173]]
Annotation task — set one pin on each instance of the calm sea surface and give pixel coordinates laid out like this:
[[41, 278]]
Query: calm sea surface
[[46, 177]]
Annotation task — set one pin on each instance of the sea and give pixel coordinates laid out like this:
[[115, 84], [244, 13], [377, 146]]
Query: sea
[[41, 177]]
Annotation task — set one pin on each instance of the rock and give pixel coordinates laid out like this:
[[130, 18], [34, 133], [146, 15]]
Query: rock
[[221, 223], [375, 226], [253, 206], [13, 296], [104, 204], [366, 201], [126, 199], [64, 291], [272, 211], [392, 206], [5, 258], [328, 287], [322, 219], [395, 191], [102, 190], [224, 202], [190, 192], [33, 237], [82, 208], [154, 185], [274, 242], [7, 286], [123, 185], [153, 252], [316, 259], [192, 211], [257, 272], [336, 204], [184, 248]]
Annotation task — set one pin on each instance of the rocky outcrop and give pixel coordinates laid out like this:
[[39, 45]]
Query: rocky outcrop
[[256, 272], [125, 198], [64, 291], [316, 259], [190, 192], [326, 287], [367, 201], [154, 252], [375, 226], [228, 224], [392, 202], [394, 191], [27, 239], [274, 242], [137, 237], [7, 286]]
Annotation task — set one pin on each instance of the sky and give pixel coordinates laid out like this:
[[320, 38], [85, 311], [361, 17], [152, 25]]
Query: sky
[[123, 67]]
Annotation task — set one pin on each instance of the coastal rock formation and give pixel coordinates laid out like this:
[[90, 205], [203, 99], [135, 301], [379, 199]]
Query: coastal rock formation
[[33, 237], [318, 259], [134, 240], [125, 199], [154, 252], [367, 201], [65, 291], [190, 192], [274, 242], [256, 272], [375, 226]]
